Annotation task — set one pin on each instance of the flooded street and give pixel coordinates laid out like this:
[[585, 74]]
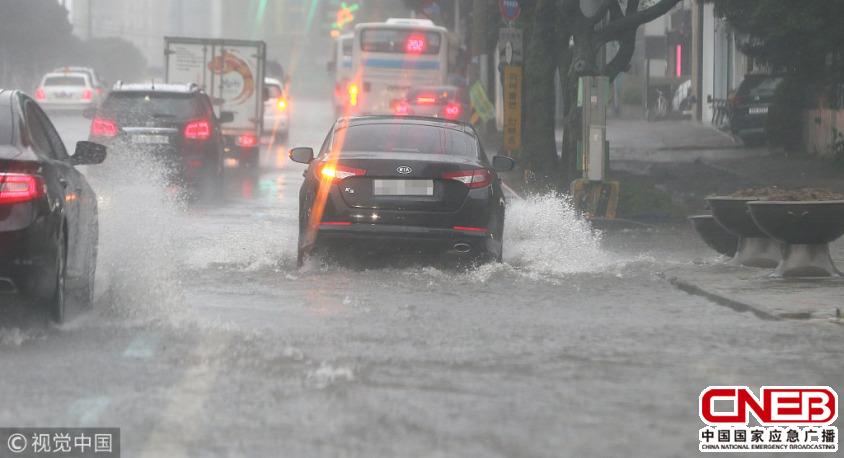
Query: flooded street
[[206, 340]]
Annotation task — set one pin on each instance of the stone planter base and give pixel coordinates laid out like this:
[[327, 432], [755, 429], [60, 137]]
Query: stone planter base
[[757, 252], [806, 261]]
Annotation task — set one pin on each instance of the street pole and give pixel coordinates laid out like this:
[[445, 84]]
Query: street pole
[[90, 19], [479, 35]]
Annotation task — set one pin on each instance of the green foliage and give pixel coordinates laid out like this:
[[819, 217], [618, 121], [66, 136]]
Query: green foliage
[[115, 58]]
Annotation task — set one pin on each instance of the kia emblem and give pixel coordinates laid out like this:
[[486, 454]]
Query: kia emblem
[[404, 170]]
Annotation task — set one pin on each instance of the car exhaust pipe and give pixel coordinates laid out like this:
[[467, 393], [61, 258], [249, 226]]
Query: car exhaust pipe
[[462, 248]]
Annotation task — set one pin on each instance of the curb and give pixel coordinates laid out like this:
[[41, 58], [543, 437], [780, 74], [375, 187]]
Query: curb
[[696, 290]]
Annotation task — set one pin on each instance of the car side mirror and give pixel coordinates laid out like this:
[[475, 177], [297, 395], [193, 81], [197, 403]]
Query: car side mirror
[[88, 153], [503, 163], [89, 112], [302, 155], [226, 116]]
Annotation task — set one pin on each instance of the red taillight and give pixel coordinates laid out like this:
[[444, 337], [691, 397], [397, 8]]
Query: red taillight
[[478, 178], [336, 172], [198, 130], [470, 229], [452, 110], [101, 127], [18, 187], [426, 100], [247, 141], [402, 108], [87, 94], [40, 94]]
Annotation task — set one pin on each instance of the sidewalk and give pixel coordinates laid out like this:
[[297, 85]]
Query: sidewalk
[[746, 289]]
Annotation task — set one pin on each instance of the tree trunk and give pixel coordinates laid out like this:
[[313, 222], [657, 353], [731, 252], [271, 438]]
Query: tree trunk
[[539, 149]]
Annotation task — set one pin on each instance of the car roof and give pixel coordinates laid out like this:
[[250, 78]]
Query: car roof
[[187, 88], [272, 81], [416, 120]]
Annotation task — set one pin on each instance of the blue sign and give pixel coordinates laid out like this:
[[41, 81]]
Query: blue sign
[[510, 9]]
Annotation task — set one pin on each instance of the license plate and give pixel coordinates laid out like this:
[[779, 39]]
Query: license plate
[[758, 110], [403, 187], [62, 95], [151, 139]]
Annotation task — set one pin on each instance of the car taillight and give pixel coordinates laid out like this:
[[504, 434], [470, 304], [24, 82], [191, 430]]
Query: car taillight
[[198, 130], [87, 94], [402, 108], [40, 94], [247, 140], [452, 110], [281, 104], [337, 172], [478, 178], [19, 187], [101, 127], [354, 90]]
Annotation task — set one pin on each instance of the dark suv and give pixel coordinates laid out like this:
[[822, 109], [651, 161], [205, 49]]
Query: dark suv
[[174, 124], [750, 106]]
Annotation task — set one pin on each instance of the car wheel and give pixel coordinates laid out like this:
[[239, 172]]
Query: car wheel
[[85, 294], [56, 305]]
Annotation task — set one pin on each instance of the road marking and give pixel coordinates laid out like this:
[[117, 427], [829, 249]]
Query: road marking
[[88, 410], [141, 347]]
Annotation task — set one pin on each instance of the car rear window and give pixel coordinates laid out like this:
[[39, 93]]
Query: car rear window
[[272, 91], [407, 138], [152, 105], [64, 81], [764, 86]]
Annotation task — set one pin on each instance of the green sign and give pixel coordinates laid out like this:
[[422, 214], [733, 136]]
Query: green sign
[[480, 102]]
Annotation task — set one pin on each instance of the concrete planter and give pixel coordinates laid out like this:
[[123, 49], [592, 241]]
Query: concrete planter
[[714, 235], [805, 229], [755, 248]]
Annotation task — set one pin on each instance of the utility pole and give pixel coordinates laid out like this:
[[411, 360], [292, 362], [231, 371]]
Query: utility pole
[[479, 36], [90, 19]]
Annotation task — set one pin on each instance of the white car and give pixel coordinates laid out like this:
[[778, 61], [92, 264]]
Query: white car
[[67, 91], [98, 82], [276, 110]]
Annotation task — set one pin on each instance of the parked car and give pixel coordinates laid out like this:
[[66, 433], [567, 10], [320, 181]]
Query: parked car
[[172, 123], [434, 101], [750, 105], [48, 212], [402, 182], [67, 91], [276, 110]]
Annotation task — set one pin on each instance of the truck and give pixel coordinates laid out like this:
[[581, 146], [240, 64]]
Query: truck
[[231, 72]]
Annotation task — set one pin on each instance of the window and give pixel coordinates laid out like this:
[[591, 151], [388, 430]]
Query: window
[[37, 132], [133, 106], [65, 81], [56, 143], [271, 91], [409, 138], [6, 125], [400, 41]]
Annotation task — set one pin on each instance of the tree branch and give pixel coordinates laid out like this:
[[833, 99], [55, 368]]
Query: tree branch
[[603, 10], [632, 21]]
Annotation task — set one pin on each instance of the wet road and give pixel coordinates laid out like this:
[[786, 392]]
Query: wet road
[[207, 341]]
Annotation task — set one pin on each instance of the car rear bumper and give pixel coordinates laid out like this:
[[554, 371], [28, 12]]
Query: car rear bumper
[[411, 238]]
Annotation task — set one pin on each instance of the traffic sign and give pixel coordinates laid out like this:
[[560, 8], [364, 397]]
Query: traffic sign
[[510, 9], [512, 107]]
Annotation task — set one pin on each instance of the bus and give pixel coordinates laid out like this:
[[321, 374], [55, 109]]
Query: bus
[[390, 58], [340, 68]]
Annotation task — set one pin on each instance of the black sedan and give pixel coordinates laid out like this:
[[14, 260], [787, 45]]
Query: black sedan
[[402, 182], [48, 213]]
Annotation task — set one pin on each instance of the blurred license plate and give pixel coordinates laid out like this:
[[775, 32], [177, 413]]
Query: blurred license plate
[[758, 110], [403, 187], [151, 139]]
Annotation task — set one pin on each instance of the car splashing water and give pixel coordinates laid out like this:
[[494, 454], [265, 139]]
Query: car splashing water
[[138, 229]]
